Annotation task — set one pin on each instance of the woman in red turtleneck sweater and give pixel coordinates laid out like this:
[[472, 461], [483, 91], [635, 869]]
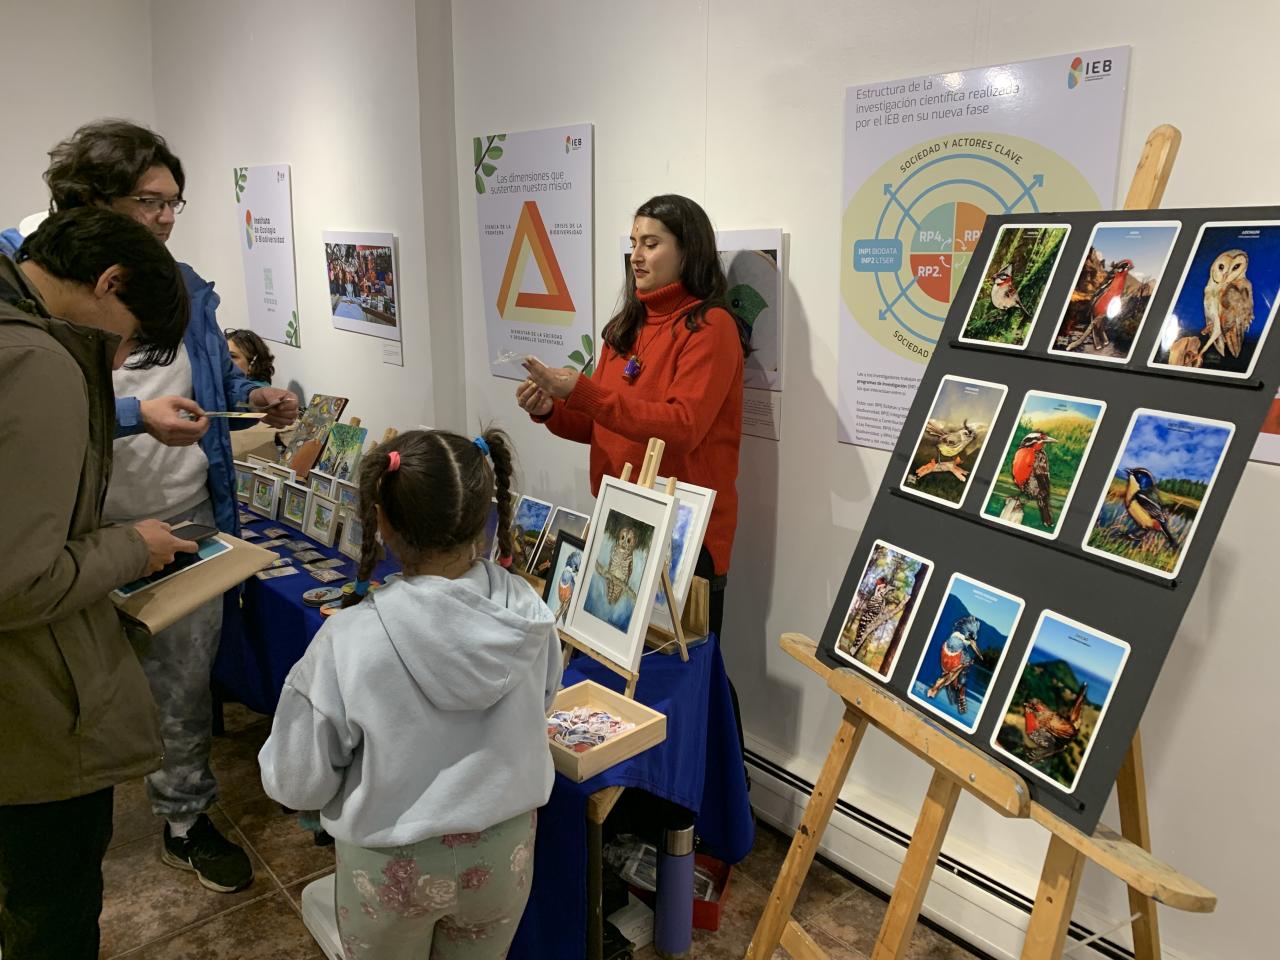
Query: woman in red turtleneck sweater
[[670, 367]]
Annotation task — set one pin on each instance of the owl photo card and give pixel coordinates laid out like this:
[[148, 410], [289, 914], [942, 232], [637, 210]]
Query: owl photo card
[[884, 604], [1226, 301], [1120, 273], [528, 520], [966, 647], [562, 520], [693, 511], [1008, 300], [1156, 490], [1042, 462], [564, 574], [629, 537], [1056, 706], [952, 439]]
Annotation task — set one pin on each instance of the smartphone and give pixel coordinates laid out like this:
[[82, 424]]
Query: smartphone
[[194, 531]]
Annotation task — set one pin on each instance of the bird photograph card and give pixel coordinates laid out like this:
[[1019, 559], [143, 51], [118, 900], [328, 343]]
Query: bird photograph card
[[1156, 490], [341, 455], [693, 511], [952, 439], [1055, 708], [562, 520], [1042, 462], [1120, 273], [629, 537], [966, 647], [1008, 300], [528, 520], [1226, 301], [564, 574], [883, 606]]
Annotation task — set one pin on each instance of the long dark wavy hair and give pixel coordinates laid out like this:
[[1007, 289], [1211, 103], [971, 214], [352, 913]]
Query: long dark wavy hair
[[700, 272]]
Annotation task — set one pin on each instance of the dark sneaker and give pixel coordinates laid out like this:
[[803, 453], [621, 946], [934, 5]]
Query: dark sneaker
[[218, 863]]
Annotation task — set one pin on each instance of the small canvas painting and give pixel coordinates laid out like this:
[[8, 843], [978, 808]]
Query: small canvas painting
[[613, 585], [966, 646], [562, 520], [313, 426], [952, 440], [884, 604], [342, 451], [1059, 701], [527, 523], [1013, 286], [564, 574]]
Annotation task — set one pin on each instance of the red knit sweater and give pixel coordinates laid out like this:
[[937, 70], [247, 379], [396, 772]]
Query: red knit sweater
[[689, 394]]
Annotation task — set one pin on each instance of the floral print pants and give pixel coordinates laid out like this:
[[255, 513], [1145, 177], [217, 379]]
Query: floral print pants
[[443, 898]]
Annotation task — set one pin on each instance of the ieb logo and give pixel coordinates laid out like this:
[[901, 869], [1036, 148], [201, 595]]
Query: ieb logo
[[572, 143], [1081, 71], [1075, 73], [248, 228]]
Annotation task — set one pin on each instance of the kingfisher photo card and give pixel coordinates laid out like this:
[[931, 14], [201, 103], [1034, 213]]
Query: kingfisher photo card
[[1165, 470], [1226, 301], [1057, 705], [1042, 462], [966, 647], [884, 604], [1008, 300], [952, 439], [1120, 273]]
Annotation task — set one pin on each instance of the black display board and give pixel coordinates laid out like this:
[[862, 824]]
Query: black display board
[[1140, 608]]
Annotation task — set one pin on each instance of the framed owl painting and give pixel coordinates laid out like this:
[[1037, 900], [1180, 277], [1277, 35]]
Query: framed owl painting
[[630, 535]]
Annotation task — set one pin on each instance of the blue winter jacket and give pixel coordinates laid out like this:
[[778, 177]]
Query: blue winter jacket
[[218, 385]]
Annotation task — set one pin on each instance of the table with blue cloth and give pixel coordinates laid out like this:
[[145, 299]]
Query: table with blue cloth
[[698, 765]]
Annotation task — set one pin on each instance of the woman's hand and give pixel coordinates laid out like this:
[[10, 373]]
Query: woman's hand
[[555, 382], [533, 400]]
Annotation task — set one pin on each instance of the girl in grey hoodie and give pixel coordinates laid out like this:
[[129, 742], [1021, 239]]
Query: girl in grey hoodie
[[416, 721]]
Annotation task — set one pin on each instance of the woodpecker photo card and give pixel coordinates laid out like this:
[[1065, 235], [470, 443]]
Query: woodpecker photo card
[[1226, 301], [1056, 707], [966, 647], [1042, 462], [952, 439], [1008, 300], [1120, 273], [884, 604], [1156, 490]]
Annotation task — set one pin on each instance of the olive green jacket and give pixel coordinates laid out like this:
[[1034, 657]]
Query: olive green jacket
[[76, 713]]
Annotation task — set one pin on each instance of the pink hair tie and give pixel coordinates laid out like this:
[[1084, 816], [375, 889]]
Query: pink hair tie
[[393, 461], [505, 561]]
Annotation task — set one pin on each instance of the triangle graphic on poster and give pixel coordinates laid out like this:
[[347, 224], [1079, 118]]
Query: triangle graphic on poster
[[553, 307]]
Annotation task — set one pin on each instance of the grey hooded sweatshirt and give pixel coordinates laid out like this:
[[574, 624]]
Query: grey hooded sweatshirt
[[421, 711]]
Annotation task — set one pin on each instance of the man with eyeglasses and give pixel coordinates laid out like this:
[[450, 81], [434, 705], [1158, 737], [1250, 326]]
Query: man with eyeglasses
[[171, 461]]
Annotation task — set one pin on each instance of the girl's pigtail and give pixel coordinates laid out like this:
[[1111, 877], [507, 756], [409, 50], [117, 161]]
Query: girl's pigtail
[[372, 472], [500, 451]]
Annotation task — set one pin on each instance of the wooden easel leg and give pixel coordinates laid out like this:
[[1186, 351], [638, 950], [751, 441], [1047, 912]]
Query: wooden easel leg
[[917, 868], [782, 899], [1055, 899], [1131, 792]]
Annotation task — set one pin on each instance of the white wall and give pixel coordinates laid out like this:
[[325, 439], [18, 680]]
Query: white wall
[[65, 62], [737, 103], [332, 89]]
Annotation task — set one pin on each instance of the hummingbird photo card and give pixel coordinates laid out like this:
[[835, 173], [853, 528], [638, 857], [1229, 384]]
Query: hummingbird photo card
[[1156, 490], [1055, 708], [888, 594], [1226, 301], [1042, 462], [952, 439], [1120, 273], [965, 650], [1008, 300]]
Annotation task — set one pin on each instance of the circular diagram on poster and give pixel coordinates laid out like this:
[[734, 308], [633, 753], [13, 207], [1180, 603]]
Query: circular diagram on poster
[[910, 230]]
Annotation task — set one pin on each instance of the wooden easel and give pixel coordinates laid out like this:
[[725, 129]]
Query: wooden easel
[[958, 766]]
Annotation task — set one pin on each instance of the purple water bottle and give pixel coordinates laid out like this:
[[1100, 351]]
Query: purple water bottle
[[673, 916]]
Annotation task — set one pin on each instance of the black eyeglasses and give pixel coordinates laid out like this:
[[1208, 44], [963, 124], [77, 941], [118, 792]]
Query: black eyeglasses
[[156, 204]]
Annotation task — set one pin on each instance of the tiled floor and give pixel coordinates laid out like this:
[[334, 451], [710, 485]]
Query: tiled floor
[[153, 912]]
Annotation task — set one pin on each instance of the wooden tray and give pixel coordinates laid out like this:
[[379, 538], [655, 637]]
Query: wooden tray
[[649, 731]]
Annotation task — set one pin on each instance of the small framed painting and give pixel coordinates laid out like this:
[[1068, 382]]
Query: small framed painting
[[351, 540], [284, 473], [264, 495], [693, 511], [244, 480], [294, 498], [323, 484], [562, 519], [348, 497], [563, 575], [321, 522], [259, 463]]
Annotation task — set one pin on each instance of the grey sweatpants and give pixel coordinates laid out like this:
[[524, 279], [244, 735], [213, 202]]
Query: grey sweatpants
[[178, 664]]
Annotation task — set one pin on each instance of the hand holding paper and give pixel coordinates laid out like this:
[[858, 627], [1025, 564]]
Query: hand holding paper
[[557, 382], [174, 421]]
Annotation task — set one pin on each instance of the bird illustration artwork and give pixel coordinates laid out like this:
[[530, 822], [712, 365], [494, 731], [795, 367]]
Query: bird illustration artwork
[[952, 443], [1107, 304], [568, 580], [1185, 352], [955, 662], [746, 303], [519, 549], [1004, 292], [1051, 731], [1228, 304], [1143, 506], [621, 557], [870, 606], [1030, 471]]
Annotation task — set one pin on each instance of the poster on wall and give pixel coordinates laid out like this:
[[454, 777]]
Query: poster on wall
[[926, 160], [533, 212], [362, 273], [264, 211]]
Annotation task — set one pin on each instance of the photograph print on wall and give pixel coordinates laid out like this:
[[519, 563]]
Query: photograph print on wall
[[952, 440], [362, 273], [1156, 490], [1055, 708], [884, 604], [966, 646], [1018, 271]]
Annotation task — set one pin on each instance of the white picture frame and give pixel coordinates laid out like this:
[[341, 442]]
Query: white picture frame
[[322, 519], [293, 495], [264, 494], [279, 470], [351, 539], [259, 463], [562, 518], [610, 614], [348, 496], [244, 471], [325, 484], [689, 534]]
